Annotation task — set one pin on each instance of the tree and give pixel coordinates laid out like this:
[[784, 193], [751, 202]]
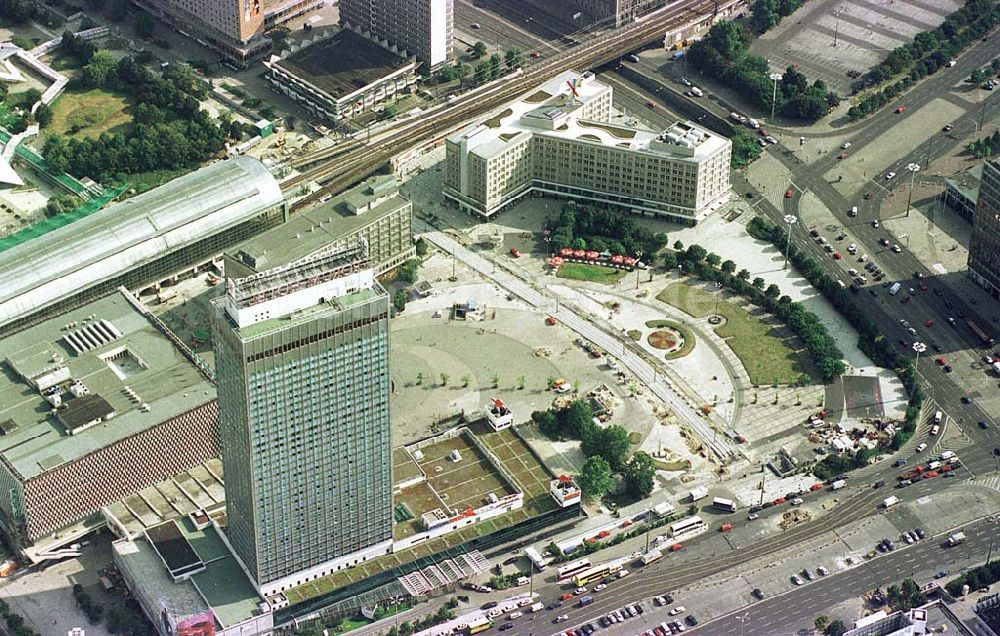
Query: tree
[[835, 628], [772, 291], [610, 443], [479, 49], [595, 477], [100, 70], [61, 203], [448, 73], [399, 300], [144, 25], [763, 15], [728, 266], [43, 115], [408, 270], [14, 621], [547, 423], [28, 98], [821, 621], [388, 112], [758, 283], [639, 473], [444, 379], [514, 58], [421, 246], [713, 259], [743, 274], [578, 418]]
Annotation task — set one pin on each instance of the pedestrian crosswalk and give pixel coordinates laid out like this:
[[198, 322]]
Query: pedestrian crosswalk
[[993, 481]]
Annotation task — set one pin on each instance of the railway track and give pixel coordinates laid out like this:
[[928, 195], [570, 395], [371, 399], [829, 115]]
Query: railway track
[[339, 171]]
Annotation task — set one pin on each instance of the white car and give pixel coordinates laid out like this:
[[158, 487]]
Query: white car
[[771, 140], [561, 618], [580, 590], [889, 175], [659, 600], [921, 447], [680, 609], [599, 587], [896, 248], [845, 145], [796, 579], [852, 248], [753, 516], [987, 360], [515, 615], [875, 223], [685, 81], [822, 571], [796, 502]]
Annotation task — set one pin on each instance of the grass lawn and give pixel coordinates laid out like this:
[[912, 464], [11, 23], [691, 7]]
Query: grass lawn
[[593, 273], [768, 352], [89, 113]]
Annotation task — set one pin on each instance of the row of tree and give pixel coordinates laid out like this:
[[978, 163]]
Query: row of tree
[[766, 14], [169, 129], [928, 52], [495, 67], [976, 578], [745, 147], [724, 54], [588, 228], [985, 147], [871, 341], [15, 622], [803, 323]]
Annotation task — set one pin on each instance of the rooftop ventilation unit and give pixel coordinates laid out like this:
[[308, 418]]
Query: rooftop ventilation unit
[[91, 336]]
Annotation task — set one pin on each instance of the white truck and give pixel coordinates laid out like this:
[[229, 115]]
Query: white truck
[[698, 493], [938, 417], [537, 607], [895, 289], [652, 555], [664, 509], [837, 485], [889, 502], [955, 539]]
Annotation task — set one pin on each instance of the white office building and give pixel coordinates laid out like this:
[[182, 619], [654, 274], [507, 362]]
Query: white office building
[[559, 140]]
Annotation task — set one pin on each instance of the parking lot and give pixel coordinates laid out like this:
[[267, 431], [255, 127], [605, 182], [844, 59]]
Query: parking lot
[[828, 38]]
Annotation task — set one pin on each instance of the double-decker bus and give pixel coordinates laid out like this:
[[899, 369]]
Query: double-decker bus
[[597, 573], [688, 527], [570, 570]]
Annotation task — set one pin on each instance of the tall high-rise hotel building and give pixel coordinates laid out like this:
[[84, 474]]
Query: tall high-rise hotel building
[[984, 245], [303, 382]]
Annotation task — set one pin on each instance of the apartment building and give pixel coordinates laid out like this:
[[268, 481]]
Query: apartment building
[[423, 28], [984, 245], [234, 28], [560, 141]]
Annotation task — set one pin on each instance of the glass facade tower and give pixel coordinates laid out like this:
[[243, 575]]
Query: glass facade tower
[[303, 384]]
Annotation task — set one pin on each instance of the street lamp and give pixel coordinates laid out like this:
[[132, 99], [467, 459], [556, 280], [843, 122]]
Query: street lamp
[[790, 219], [914, 169], [919, 347], [775, 77]]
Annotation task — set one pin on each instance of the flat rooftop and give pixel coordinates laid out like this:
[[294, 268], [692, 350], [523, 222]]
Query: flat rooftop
[[222, 587], [140, 375], [309, 313], [318, 227], [342, 64], [554, 110]]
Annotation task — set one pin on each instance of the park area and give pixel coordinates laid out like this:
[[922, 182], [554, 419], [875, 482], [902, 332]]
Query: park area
[[592, 273], [768, 351], [89, 113]]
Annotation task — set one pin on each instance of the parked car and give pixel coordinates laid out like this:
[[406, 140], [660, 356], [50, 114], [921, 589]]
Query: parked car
[[758, 594]]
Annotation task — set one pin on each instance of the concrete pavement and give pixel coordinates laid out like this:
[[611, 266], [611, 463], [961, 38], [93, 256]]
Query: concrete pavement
[[583, 326]]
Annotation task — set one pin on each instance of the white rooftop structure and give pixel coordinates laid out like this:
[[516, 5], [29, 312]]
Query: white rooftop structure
[[559, 108], [109, 243]]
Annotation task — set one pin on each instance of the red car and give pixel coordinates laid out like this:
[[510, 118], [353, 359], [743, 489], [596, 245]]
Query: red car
[[905, 300], [762, 132], [535, 54], [837, 256], [790, 193], [940, 361], [779, 501], [931, 474], [900, 109], [677, 547], [816, 487]]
